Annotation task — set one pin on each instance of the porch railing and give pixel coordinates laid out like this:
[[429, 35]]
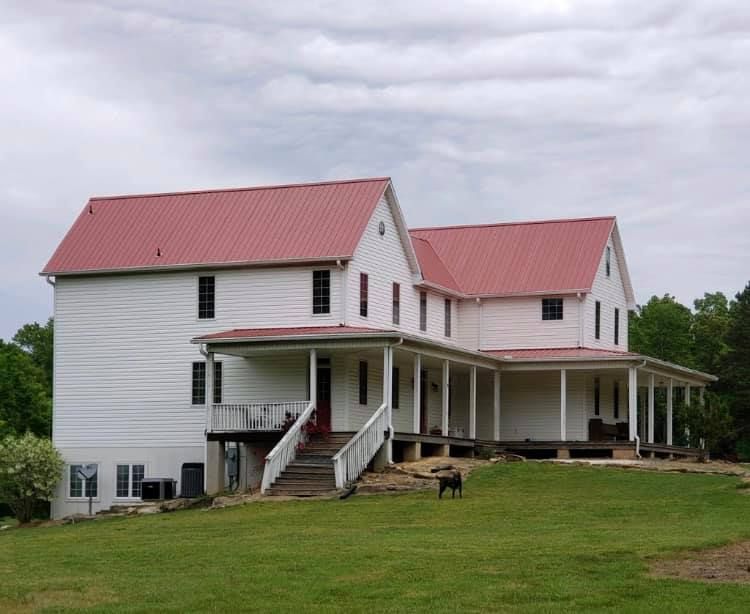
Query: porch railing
[[353, 458], [285, 451], [254, 415]]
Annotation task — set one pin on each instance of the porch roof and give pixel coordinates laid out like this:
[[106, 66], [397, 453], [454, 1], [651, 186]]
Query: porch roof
[[292, 332], [558, 353]]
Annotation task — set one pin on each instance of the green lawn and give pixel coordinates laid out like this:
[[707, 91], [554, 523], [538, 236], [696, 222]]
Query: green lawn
[[526, 538]]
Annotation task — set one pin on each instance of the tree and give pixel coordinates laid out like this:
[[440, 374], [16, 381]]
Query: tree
[[709, 423], [736, 363], [710, 327], [37, 341], [662, 329], [30, 469], [24, 402]]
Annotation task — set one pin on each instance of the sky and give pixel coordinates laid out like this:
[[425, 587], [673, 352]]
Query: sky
[[480, 111]]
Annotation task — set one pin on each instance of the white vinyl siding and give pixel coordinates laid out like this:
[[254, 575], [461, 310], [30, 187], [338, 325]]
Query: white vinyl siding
[[467, 326], [610, 291], [516, 323]]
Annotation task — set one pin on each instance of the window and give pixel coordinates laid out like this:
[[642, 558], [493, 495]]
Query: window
[[129, 478], [218, 383], [616, 400], [362, 382], [617, 326], [552, 309], [321, 292], [423, 311], [206, 297], [396, 303], [199, 383], [448, 317], [78, 488], [598, 320], [363, 291], [608, 260], [394, 387], [597, 395]]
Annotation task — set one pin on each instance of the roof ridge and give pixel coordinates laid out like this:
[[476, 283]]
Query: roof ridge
[[241, 189], [519, 223]]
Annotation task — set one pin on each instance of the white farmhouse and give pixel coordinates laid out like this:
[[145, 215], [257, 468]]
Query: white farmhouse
[[246, 324]]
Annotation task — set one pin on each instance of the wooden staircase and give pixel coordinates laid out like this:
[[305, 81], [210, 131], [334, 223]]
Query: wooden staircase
[[311, 472]]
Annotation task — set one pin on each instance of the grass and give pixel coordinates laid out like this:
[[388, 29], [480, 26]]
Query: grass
[[526, 538]]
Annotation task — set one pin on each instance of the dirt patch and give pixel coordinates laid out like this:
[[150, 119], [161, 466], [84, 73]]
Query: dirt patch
[[667, 466], [726, 564], [414, 475]]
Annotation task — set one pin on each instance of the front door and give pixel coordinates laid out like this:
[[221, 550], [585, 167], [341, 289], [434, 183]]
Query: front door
[[323, 400], [423, 413]]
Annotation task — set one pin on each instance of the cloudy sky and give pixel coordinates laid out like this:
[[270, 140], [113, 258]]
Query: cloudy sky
[[481, 111]]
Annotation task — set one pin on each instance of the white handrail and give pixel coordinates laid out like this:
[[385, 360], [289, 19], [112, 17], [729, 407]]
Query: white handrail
[[351, 460], [253, 415], [284, 452]]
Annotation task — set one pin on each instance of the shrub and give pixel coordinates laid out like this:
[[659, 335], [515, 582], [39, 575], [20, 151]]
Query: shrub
[[30, 469], [707, 423]]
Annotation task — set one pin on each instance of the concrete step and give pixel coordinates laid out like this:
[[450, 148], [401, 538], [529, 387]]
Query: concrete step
[[304, 485], [295, 492]]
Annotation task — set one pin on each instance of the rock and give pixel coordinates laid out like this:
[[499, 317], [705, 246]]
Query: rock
[[441, 468], [5, 527], [514, 458], [73, 518], [148, 509]]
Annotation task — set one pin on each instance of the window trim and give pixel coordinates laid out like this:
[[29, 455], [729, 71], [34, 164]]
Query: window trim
[[218, 377], [364, 294], [129, 465], [362, 381], [423, 311], [396, 304], [69, 483], [198, 295], [598, 320], [448, 316], [218, 391], [548, 311], [317, 314]]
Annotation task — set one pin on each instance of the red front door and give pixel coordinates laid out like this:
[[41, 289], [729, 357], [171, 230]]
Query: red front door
[[323, 400]]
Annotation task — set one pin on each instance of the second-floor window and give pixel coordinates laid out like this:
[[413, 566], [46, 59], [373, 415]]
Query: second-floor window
[[363, 382], [199, 383], [423, 311], [206, 297], [617, 326], [321, 292], [552, 309], [363, 292], [396, 304], [597, 320], [447, 317]]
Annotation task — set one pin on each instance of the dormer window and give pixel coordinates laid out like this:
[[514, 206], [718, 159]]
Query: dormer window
[[552, 309], [608, 260]]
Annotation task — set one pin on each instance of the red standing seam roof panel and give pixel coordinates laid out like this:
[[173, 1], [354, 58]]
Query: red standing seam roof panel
[[515, 258], [295, 222]]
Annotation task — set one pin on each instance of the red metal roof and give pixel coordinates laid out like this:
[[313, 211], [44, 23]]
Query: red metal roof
[[433, 269], [516, 258], [247, 225], [553, 353], [294, 331]]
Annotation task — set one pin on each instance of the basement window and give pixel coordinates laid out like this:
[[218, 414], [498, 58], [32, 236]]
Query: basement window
[[552, 309], [206, 298], [128, 481], [82, 489], [321, 292]]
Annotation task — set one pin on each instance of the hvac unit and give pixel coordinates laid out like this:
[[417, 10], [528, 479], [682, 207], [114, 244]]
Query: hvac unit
[[154, 489], [191, 482]]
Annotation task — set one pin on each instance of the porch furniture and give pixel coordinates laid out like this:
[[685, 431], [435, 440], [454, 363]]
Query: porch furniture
[[601, 431]]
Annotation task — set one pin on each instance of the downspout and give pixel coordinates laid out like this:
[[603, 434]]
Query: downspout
[[637, 438], [343, 289], [48, 279], [580, 297], [481, 323]]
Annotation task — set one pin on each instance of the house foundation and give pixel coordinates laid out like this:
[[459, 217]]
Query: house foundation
[[215, 464]]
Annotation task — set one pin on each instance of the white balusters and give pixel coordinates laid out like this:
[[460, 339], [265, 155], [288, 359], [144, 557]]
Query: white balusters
[[253, 416], [353, 458]]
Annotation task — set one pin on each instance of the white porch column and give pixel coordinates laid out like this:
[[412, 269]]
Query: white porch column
[[670, 397], [632, 403], [416, 420], [313, 377], [496, 405], [563, 404], [387, 397], [209, 407], [687, 394], [473, 403], [686, 400], [446, 397], [651, 382]]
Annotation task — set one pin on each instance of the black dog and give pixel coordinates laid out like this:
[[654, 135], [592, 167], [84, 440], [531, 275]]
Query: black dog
[[453, 482]]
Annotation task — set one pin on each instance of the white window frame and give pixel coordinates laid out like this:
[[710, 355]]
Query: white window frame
[[68, 484], [129, 464], [330, 294], [197, 297]]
